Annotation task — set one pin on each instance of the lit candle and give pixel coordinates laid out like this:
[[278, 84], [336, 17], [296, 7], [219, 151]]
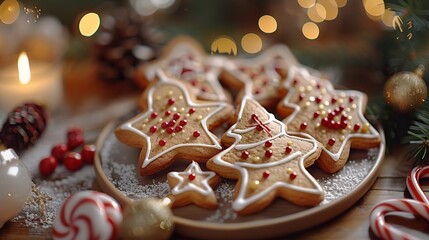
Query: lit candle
[[35, 81]]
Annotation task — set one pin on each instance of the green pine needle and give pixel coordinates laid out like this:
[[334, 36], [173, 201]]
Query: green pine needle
[[418, 137]]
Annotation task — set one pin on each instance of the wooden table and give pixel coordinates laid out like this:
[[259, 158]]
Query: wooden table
[[352, 224]]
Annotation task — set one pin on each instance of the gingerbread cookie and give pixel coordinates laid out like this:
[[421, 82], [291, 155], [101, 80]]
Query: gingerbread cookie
[[173, 125], [193, 186], [267, 162], [184, 59], [259, 77], [333, 117]]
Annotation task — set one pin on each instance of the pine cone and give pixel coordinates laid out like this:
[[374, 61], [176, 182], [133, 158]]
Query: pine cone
[[23, 127], [124, 40]]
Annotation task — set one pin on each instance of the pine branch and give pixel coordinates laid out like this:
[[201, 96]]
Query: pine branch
[[418, 137]]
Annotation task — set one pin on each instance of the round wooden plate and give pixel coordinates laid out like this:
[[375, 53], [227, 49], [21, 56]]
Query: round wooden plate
[[117, 175]]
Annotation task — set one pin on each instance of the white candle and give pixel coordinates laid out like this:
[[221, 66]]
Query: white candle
[[38, 82]]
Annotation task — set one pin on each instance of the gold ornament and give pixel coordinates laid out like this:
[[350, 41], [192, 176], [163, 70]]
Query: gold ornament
[[406, 91], [147, 218]]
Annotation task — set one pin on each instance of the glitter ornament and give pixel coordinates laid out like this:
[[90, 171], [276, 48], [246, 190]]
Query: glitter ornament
[[147, 218], [23, 127], [406, 91], [15, 185]]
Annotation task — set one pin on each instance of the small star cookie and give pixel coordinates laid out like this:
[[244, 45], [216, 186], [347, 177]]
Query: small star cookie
[[261, 76], [173, 125], [267, 162], [193, 186], [333, 117], [184, 59]]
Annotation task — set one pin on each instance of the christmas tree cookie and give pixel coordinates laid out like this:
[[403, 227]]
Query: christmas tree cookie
[[184, 59], [173, 125], [267, 162], [333, 117]]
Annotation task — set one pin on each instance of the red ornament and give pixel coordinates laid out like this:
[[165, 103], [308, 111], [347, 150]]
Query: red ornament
[[176, 116], [266, 174], [293, 175], [268, 153], [245, 155], [88, 153], [162, 142], [178, 128], [171, 101], [196, 134], [58, 151], [331, 141], [191, 176], [154, 115], [152, 129], [303, 126], [73, 161], [170, 130], [47, 166], [75, 141], [183, 122], [288, 149], [191, 110], [268, 144]]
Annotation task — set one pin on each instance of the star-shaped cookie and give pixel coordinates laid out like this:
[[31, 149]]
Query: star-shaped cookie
[[261, 76], [267, 162], [333, 117], [193, 186], [173, 125], [184, 59]]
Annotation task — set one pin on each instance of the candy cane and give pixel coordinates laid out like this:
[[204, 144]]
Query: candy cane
[[88, 215], [384, 230], [413, 183]]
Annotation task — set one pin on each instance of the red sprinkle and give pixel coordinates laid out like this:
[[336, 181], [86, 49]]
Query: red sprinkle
[[183, 122], [259, 128], [266, 174], [167, 113], [245, 155], [192, 176], [316, 115], [333, 100], [152, 129], [318, 99], [154, 115], [351, 99], [331, 141], [196, 133], [162, 142], [257, 91], [356, 127], [191, 110], [303, 126], [170, 130], [171, 101], [164, 125], [288, 149], [178, 128], [171, 123], [268, 153], [268, 144], [293, 175], [194, 82], [176, 116]]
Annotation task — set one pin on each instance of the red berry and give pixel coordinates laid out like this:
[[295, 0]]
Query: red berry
[[73, 161], [58, 151], [74, 131], [75, 142], [88, 153], [196, 134], [47, 166]]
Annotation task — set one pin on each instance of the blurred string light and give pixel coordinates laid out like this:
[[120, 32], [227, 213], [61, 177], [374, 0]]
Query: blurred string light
[[224, 45], [319, 11], [32, 13], [375, 10], [251, 43], [9, 11], [149, 7], [89, 24], [310, 30], [267, 24]]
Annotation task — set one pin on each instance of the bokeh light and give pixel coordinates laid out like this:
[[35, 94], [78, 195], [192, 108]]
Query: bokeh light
[[306, 3], [9, 11], [267, 24], [341, 3], [310, 30], [251, 43], [89, 24], [374, 8], [388, 17], [317, 13], [331, 8], [224, 45]]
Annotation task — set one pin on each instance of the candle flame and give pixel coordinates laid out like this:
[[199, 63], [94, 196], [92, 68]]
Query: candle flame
[[24, 69]]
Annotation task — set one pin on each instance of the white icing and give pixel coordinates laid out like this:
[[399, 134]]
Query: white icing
[[293, 71], [241, 201], [184, 49], [217, 106], [186, 186]]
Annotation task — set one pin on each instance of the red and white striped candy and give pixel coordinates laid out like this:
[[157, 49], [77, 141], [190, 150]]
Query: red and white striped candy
[[413, 184], [88, 215], [384, 230]]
